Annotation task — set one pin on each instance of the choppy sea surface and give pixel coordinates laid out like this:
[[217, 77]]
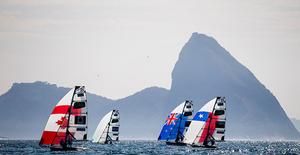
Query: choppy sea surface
[[154, 147]]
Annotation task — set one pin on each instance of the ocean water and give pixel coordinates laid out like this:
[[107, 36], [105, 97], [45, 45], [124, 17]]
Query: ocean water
[[154, 147]]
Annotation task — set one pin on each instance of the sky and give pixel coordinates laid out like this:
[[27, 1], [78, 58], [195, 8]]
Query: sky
[[119, 47]]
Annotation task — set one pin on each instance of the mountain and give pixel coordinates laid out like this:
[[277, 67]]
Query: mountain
[[25, 109], [205, 70], [296, 122]]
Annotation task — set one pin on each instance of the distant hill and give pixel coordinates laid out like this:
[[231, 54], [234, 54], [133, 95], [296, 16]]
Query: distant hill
[[296, 123], [204, 70], [26, 107]]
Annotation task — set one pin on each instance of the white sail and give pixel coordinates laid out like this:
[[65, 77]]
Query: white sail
[[206, 122], [179, 108], [108, 128]]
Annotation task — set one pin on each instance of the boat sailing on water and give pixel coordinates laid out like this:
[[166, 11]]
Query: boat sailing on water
[[67, 122], [177, 124], [107, 130], [208, 124]]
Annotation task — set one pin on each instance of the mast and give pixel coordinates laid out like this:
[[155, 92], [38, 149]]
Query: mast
[[108, 127], [196, 133], [69, 112], [178, 130], [61, 127], [168, 132], [212, 113]]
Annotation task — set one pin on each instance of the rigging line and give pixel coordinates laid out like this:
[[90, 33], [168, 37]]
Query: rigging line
[[178, 130], [198, 134], [60, 125], [86, 122], [212, 113], [104, 132], [109, 126], [204, 125], [179, 123], [56, 133], [69, 111]]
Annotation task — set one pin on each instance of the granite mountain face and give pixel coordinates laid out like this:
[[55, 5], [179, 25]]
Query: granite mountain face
[[205, 70]]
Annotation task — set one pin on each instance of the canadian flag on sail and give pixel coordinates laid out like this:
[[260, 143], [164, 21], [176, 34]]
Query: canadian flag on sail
[[67, 116]]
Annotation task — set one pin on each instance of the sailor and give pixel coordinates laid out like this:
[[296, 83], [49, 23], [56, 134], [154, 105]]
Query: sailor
[[63, 144], [209, 141], [179, 137]]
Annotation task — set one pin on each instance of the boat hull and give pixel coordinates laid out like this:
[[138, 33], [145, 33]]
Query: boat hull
[[174, 143], [63, 148], [203, 146]]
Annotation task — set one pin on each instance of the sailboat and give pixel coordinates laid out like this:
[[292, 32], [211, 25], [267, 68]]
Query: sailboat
[[107, 130], [208, 124], [177, 124], [67, 122]]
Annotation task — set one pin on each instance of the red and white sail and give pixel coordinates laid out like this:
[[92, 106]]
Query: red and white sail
[[68, 119], [208, 123]]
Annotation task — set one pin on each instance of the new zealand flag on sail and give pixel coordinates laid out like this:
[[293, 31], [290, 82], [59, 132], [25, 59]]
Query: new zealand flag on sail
[[201, 116], [174, 125]]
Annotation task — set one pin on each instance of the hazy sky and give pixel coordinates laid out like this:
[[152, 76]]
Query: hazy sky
[[118, 47]]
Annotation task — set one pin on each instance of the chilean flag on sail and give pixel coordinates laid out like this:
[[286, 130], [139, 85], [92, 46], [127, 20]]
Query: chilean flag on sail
[[201, 116]]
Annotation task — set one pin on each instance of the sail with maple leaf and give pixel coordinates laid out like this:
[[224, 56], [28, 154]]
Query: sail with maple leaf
[[67, 121], [177, 124], [208, 124], [107, 130]]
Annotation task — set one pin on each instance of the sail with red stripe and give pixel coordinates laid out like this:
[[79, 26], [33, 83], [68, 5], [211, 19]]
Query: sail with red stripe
[[208, 124], [68, 119]]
